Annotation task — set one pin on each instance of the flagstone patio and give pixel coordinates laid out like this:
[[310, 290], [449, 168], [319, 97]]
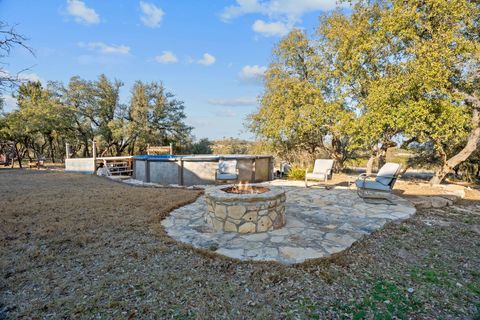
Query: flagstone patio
[[319, 223]]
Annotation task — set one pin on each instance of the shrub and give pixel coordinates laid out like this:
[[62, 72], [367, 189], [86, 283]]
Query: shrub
[[296, 173]]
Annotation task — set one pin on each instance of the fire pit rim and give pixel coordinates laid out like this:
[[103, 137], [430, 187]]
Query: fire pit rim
[[258, 189], [217, 194]]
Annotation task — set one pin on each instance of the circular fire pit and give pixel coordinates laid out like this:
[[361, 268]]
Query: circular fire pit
[[245, 209], [245, 189]]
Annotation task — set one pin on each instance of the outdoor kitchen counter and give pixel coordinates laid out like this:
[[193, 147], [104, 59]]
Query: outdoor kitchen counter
[[199, 169]]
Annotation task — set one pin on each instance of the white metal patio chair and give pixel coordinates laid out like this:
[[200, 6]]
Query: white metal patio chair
[[227, 171], [383, 183], [322, 171]]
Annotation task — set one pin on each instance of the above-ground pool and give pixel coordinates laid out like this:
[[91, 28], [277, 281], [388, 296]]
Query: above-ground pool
[[199, 169]]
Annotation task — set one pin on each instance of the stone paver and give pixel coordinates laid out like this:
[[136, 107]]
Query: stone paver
[[319, 223]]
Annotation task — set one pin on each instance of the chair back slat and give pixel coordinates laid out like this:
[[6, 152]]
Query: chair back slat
[[322, 165], [388, 174], [227, 166]]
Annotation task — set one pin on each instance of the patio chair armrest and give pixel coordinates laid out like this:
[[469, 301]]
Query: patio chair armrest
[[364, 176], [217, 172]]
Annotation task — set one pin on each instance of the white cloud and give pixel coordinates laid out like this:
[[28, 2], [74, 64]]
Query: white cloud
[[234, 102], [30, 77], [152, 15], [291, 10], [224, 113], [9, 103], [282, 14], [242, 7], [270, 29], [104, 48], [166, 57], [207, 59], [81, 12], [253, 73]]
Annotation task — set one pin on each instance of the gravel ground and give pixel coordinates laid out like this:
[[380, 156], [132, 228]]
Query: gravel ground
[[75, 246]]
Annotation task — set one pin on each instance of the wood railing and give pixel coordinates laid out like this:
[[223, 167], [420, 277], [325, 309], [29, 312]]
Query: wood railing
[[118, 166]]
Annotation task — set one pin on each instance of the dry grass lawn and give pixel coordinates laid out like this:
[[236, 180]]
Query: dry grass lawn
[[75, 246]]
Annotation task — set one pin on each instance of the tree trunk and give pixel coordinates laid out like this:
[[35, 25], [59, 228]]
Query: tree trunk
[[440, 174], [61, 154], [370, 162], [336, 153], [131, 148], [463, 155], [86, 153], [404, 170], [50, 145], [338, 165], [26, 144], [382, 156], [19, 157]]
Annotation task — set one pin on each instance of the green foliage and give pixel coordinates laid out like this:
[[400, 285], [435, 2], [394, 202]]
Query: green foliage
[[156, 117], [296, 173], [300, 108], [260, 147], [203, 146], [469, 170], [390, 70], [430, 49], [231, 146], [385, 300], [37, 126], [430, 276], [84, 110]]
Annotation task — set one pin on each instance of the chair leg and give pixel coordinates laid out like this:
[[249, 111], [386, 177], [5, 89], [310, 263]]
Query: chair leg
[[370, 199], [360, 192]]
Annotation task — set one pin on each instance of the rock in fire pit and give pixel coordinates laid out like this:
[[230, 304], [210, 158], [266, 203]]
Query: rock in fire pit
[[245, 208]]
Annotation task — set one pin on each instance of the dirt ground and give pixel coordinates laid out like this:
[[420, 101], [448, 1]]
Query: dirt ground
[[77, 246]]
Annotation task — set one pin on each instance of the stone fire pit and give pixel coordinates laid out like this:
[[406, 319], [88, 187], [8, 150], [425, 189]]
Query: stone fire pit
[[250, 209]]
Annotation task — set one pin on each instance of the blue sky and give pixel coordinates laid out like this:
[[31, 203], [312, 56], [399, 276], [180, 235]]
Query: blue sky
[[211, 54]]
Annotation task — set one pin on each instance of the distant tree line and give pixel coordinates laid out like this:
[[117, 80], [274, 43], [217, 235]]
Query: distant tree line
[[390, 72], [49, 117]]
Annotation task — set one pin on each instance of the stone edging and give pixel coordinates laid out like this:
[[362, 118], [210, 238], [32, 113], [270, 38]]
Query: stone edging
[[440, 201]]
